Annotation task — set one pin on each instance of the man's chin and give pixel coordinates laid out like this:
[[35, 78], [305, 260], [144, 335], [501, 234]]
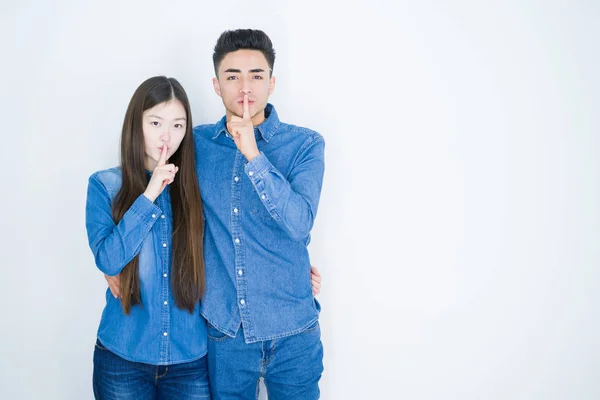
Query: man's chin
[[236, 113], [233, 112]]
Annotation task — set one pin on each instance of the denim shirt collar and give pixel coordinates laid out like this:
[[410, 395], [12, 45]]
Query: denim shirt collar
[[266, 129]]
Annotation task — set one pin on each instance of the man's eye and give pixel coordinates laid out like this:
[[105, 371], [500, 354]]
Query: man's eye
[[258, 77], [231, 78]]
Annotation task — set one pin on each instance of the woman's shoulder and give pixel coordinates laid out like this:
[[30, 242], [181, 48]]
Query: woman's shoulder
[[110, 178]]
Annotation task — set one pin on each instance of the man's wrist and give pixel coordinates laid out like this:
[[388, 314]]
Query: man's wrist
[[251, 155]]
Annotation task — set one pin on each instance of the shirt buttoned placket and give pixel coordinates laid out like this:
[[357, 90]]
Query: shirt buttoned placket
[[164, 291], [241, 279]]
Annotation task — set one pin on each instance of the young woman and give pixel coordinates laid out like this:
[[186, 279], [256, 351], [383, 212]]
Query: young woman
[[144, 223], [145, 228]]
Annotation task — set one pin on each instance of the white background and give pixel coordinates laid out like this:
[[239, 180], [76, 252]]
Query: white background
[[458, 231]]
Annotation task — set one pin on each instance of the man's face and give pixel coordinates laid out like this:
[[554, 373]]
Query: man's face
[[244, 72]]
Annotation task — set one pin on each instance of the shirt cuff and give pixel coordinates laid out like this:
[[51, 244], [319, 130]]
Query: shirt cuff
[[257, 167], [145, 210]]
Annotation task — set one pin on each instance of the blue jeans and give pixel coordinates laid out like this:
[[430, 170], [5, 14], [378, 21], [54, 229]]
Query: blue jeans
[[291, 366], [116, 378]]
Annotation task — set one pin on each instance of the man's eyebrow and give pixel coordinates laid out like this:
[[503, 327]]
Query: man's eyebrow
[[238, 71]]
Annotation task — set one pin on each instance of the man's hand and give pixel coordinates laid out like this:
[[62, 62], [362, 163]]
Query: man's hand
[[114, 284], [315, 280], [242, 131]]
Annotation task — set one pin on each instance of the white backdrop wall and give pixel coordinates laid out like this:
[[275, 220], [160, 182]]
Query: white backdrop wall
[[458, 229]]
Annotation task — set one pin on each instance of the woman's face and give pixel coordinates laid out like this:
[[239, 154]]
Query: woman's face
[[163, 124]]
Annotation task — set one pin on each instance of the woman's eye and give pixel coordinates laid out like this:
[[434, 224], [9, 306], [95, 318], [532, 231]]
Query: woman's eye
[[155, 123]]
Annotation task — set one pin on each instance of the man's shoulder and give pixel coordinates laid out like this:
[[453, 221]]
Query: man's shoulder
[[300, 132], [204, 130]]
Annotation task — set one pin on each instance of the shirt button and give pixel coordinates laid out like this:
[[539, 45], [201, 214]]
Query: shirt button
[[236, 179], [242, 302], [162, 216], [153, 215], [240, 272], [165, 334], [263, 197], [164, 245], [235, 210], [165, 303], [251, 173], [237, 240], [165, 275]]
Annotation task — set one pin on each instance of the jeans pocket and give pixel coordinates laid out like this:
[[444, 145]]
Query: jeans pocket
[[214, 334]]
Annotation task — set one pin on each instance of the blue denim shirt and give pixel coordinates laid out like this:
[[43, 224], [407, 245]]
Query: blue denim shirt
[[157, 332], [258, 220]]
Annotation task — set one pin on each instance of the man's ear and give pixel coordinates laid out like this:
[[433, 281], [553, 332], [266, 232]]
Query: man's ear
[[216, 86], [271, 85]]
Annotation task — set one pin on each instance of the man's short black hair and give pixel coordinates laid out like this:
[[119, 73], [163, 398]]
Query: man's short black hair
[[247, 39]]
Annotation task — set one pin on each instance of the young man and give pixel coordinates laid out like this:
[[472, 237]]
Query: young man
[[265, 181]]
